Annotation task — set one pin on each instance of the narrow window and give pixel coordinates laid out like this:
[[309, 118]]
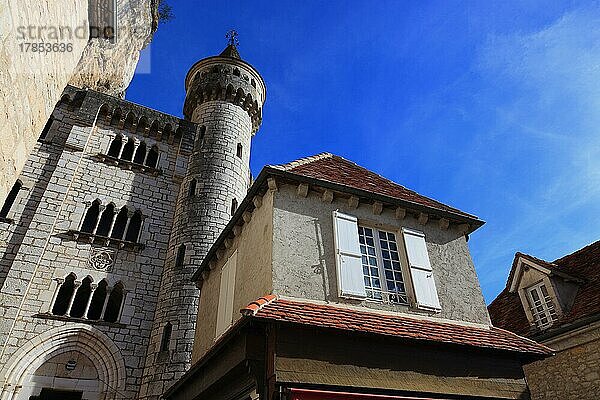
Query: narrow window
[[166, 337], [116, 117], [46, 128], [135, 225], [180, 256], [236, 72], [128, 150], [234, 205], [63, 298], [120, 224], [142, 125], [200, 138], [103, 19], [152, 158], [239, 150], [81, 298], [106, 220], [10, 199], [192, 188], [91, 217], [115, 146], [140, 154], [113, 306], [253, 82], [95, 311]]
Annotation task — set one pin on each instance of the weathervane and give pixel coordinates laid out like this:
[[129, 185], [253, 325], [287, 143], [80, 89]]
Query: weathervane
[[232, 38]]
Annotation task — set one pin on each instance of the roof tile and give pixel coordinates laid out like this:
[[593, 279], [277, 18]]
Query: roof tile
[[335, 169], [329, 316]]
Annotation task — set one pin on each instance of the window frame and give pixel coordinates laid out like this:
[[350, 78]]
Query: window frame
[[548, 313], [405, 274]]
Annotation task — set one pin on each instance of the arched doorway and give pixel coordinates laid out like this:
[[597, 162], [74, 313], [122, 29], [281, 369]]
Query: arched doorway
[[74, 362]]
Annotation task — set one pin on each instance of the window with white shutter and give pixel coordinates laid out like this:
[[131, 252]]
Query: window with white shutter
[[420, 270], [348, 256], [226, 294]]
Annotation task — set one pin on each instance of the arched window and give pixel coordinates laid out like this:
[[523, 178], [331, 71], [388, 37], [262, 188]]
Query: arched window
[[95, 310], [91, 217], [106, 220], [152, 158], [142, 124], [140, 154], [135, 224], [113, 305], [115, 146], [63, 298], [120, 224], [116, 117], [192, 188], [234, 205], [10, 199], [81, 298], [236, 72], [166, 337], [180, 256], [129, 121], [240, 150], [128, 150]]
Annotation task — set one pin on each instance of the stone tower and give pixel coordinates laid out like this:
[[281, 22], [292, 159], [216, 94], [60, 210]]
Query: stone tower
[[224, 98]]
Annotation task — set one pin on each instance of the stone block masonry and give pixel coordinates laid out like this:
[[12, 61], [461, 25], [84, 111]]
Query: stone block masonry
[[40, 243]]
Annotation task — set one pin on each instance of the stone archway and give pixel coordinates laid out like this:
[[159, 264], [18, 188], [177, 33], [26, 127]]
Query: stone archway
[[28, 369]]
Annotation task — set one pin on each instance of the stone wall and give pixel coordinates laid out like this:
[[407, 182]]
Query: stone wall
[[40, 243], [32, 82], [573, 373], [304, 256]]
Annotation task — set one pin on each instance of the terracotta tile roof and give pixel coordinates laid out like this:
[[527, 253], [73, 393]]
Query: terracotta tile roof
[[335, 169], [329, 316], [506, 311]]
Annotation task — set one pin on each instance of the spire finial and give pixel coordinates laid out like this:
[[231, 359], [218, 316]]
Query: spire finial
[[232, 38]]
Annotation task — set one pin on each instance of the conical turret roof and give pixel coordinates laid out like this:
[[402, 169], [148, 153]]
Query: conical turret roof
[[231, 52]]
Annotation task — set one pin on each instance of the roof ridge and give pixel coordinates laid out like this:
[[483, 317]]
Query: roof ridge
[[597, 242], [302, 161], [255, 306]]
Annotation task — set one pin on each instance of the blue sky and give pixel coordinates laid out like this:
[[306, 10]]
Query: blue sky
[[492, 107]]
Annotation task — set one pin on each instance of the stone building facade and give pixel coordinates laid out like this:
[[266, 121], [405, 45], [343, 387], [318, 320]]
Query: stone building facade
[[97, 63], [113, 211], [556, 303]]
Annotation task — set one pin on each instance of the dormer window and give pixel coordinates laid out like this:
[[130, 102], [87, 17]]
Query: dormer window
[[541, 306]]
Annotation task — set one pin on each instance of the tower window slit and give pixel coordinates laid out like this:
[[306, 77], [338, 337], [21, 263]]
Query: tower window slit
[[192, 188], [10, 199], [234, 205], [240, 150], [166, 337], [179, 259]]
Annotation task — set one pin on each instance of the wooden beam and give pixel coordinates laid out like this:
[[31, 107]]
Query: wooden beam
[[423, 218], [400, 213], [327, 196], [353, 202], [257, 201], [247, 216], [444, 223], [237, 230], [302, 190], [377, 208], [272, 183]]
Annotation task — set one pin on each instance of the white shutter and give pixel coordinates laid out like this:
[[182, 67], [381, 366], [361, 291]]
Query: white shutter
[[420, 270], [347, 256], [226, 293]]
